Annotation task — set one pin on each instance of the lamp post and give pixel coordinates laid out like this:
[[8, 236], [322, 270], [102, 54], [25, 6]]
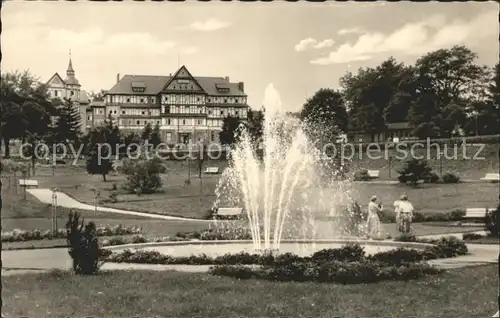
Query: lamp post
[[54, 211], [96, 196], [441, 154]]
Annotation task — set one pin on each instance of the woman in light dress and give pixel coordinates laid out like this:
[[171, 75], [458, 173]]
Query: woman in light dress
[[373, 220]]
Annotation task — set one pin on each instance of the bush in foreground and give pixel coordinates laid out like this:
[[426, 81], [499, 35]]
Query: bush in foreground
[[334, 271], [492, 222], [450, 178], [83, 245], [445, 247]]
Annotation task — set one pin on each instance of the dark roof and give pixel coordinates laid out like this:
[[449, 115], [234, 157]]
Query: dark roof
[[155, 84]]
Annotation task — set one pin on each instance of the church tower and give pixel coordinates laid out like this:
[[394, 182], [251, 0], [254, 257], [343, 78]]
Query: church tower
[[72, 84]]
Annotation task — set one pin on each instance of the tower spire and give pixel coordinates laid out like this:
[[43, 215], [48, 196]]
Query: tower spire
[[70, 70]]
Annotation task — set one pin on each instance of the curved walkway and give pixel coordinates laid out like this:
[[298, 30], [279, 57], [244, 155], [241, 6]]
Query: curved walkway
[[64, 200], [23, 261]]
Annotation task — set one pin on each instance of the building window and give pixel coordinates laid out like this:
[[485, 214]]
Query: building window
[[55, 93], [225, 100], [183, 121], [123, 112], [128, 100], [143, 113], [138, 122], [142, 100]]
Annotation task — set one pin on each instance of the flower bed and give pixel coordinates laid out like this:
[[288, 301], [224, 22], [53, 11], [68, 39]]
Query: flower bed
[[18, 235], [446, 247], [348, 264]]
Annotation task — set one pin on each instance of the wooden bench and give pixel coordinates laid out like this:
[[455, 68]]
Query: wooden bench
[[475, 213], [28, 183], [228, 212], [374, 174], [212, 170], [491, 177]]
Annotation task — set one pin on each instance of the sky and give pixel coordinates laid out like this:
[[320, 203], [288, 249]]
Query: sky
[[292, 49]]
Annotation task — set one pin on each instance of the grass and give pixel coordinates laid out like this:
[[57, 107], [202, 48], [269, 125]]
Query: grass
[[465, 292], [197, 198]]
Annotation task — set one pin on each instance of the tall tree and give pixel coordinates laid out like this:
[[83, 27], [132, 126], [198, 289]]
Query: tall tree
[[255, 124], [325, 115], [146, 132], [377, 96], [25, 108], [67, 128], [452, 77], [230, 130], [99, 150], [425, 116], [155, 137]]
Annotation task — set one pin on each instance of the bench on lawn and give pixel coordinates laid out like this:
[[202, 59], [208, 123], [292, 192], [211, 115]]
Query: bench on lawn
[[212, 170], [28, 183], [492, 177], [475, 213], [374, 174], [228, 212]]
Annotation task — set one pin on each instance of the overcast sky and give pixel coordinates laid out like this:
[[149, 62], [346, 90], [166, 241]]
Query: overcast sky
[[298, 47]]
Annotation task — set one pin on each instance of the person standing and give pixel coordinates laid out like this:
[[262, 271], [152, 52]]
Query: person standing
[[405, 211], [373, 220]]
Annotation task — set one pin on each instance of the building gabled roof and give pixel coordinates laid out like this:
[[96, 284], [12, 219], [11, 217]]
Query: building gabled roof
[[155, 84], [55, 75]]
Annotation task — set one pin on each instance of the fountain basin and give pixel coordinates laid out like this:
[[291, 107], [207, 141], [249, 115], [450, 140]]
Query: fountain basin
[[298, 247]]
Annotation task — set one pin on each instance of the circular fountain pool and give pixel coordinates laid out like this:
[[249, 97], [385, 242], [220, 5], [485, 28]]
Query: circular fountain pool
[[298, 247]]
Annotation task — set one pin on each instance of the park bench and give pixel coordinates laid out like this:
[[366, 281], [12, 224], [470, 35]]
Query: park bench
[[212, 170], [374, 174], [491, 177], [475, 213], [228, 213], [28, 183]]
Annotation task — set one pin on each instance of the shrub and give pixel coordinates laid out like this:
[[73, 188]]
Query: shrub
[[353, 219], [492, 222], [450, 178], [472, 236], [143, 175], [348, 252], [362, 175], [414, 170], [406, 237], [432, 177], [113, 197], [83, 245], [18, 235], [445, 247], [339, 272]]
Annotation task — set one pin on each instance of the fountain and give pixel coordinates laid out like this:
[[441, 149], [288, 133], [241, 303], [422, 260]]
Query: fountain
[[282, 189], [284, 195]]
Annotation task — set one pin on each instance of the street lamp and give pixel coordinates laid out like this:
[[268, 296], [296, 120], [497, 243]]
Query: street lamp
[[96, 196], [441, 154], [54, 211]]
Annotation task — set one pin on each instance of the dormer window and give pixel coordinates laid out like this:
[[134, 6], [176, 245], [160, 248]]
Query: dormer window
[[138, 87]]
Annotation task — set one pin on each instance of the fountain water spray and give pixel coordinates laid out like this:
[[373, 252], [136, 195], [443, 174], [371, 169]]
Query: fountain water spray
[[281, 189]]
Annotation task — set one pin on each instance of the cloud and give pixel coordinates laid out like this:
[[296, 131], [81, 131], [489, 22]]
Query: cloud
[[311, 43], [324, 43], [94, 41], [209, 25], [414, 39], [189, 50], [350, 31]]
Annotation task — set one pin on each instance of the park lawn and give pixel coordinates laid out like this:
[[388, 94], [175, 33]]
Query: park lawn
[[461, 293]]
